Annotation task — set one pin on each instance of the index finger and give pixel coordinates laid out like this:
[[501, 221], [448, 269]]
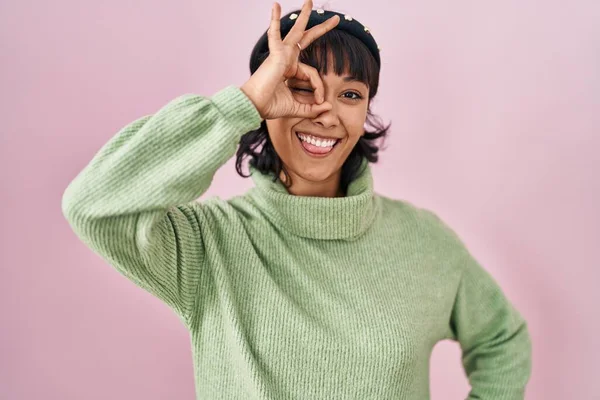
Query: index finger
[[307, 73]]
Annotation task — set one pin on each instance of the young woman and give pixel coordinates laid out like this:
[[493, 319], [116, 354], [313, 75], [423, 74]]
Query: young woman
[[310, 285]]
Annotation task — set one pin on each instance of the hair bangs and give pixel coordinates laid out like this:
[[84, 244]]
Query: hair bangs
[[345, 55]]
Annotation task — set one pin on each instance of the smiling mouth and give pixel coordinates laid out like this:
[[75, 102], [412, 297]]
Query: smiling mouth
[[316, 146]]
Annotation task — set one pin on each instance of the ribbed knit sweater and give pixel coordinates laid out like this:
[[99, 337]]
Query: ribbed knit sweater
[[284, 296]]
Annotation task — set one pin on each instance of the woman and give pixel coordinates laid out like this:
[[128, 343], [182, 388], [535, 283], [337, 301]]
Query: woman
[[310, 285]]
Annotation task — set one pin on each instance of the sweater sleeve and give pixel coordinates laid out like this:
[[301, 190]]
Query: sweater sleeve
[[133, 204], [493, 336]]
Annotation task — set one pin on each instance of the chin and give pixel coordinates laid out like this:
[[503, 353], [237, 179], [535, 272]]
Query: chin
[[315, 171], [315, 175]]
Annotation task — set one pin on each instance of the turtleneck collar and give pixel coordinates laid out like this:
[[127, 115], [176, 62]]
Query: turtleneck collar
[[318, 217]]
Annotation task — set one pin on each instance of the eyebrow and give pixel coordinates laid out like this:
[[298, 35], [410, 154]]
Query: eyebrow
[[347, 78]]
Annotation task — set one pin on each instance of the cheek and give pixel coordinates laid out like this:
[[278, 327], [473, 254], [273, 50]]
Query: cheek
[[280, 132], [277, 128], [355, 126]]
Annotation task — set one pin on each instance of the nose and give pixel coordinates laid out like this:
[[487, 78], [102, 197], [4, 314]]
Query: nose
[[327, 119]]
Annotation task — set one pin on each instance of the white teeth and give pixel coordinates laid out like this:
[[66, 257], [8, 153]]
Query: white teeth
[[316, 142]]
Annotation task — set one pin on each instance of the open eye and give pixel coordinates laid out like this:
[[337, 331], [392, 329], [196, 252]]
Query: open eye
[[357, 96]]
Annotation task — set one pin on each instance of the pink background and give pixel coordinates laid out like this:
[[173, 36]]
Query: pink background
[[495, 110]]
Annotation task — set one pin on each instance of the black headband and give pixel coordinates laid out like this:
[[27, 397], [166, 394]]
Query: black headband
[[347, 24]]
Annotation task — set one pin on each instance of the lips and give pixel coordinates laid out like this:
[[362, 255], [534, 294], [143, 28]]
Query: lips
[[317, 146]]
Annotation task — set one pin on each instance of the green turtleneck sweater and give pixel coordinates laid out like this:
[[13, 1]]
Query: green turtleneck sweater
[[290, 297]]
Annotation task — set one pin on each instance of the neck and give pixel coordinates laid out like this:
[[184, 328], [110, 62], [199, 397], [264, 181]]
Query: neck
[[317, 217], [303, 187]]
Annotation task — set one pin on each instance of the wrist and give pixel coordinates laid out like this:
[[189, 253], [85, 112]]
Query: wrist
[[249, 90]]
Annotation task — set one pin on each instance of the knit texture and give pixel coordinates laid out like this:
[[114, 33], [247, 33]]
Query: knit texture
[[290, 297]]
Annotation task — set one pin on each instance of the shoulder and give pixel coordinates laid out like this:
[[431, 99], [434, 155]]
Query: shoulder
[[408, 210], [228, 213], [215, 213], [423, 221]]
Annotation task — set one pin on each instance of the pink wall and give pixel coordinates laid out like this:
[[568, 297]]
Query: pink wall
[[495, 112]]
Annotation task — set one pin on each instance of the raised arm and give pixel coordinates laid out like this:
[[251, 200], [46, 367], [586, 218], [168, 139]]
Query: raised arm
[[130, 204]]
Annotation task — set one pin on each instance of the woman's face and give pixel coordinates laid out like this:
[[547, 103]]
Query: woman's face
[[305, 145]]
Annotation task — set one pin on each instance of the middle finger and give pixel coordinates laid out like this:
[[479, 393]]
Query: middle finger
[[319, 30], [295, 34]]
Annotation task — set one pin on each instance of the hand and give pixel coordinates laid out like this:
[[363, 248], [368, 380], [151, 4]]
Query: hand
[[267, 88]]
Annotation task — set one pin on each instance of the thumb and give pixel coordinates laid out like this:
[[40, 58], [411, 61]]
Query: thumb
[[305, 110]]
